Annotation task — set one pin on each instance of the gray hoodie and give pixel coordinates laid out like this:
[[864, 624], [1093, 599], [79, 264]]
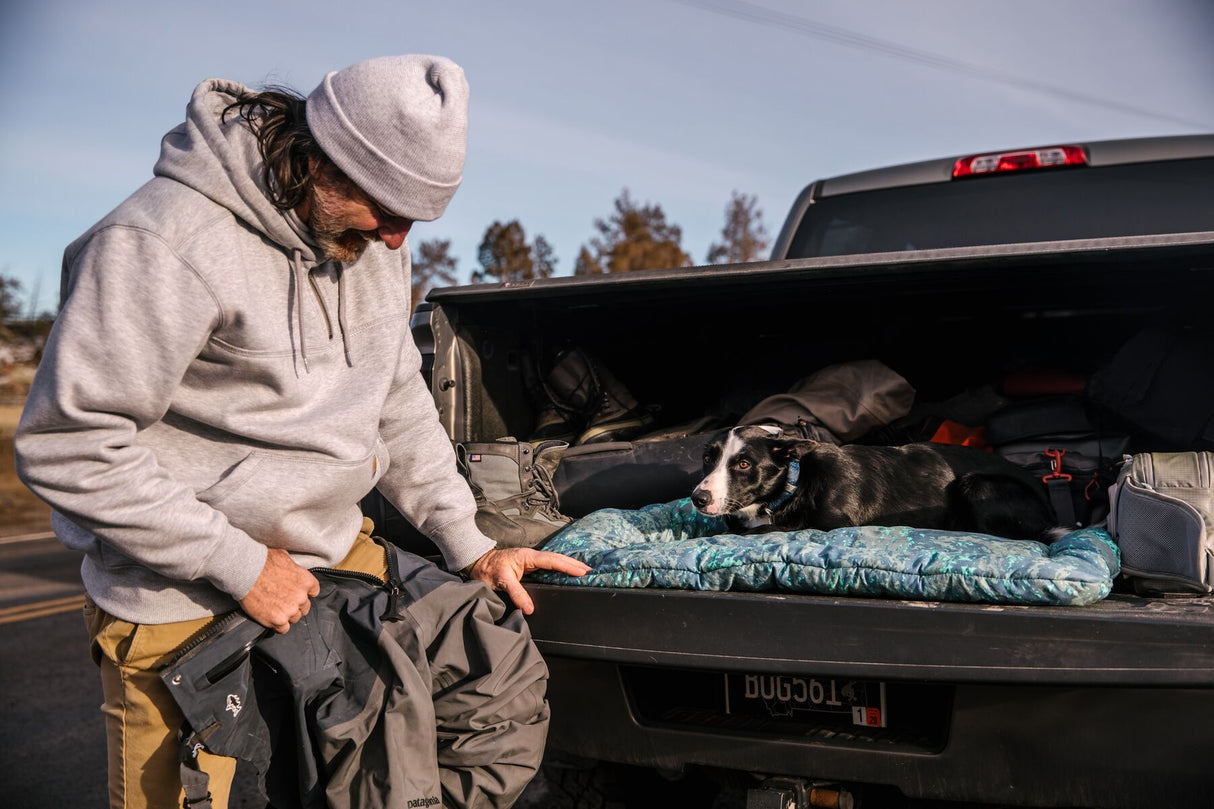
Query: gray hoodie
[[212, 387]]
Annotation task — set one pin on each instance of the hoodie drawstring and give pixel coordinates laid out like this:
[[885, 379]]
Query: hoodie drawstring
[[341, 313], [302, 277]]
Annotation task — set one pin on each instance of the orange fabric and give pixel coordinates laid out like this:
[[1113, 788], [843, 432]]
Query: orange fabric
[[953, 432]]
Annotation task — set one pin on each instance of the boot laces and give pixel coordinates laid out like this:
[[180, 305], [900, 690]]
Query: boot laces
[[541, 494]]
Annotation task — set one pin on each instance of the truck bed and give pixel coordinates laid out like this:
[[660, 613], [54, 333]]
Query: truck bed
[[1108, 705]]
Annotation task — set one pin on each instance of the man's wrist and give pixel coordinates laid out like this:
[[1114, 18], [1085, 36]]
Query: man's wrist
[[465, 572]]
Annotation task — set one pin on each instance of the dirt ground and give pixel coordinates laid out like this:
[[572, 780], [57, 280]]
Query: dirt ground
[[20, 511]]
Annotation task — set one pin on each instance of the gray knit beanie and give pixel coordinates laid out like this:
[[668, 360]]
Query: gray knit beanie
[[398, 127]]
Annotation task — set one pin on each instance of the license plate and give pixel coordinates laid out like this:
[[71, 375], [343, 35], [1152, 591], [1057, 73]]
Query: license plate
[[786, 695]]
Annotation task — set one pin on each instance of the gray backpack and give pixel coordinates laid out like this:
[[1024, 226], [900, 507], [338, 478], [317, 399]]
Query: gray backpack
[[1162, 516]]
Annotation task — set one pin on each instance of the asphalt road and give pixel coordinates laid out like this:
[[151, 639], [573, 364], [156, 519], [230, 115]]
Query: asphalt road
[[52, 744], [52, 738]]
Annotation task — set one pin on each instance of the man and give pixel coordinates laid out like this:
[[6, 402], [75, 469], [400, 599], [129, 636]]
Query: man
[[231, 372]]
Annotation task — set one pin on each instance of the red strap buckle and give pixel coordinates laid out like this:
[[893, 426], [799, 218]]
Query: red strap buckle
[[1056, 473]]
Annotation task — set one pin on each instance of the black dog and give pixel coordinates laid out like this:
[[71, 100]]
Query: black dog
[[761, 481]]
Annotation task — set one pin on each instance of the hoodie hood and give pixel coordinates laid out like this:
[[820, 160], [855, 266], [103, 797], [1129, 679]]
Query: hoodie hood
[[220, 160]]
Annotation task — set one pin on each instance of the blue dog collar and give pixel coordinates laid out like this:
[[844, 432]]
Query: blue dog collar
[[790, 488]]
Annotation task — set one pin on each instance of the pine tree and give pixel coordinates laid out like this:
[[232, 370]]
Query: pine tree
[[433, 265], [505, 255], [635, 237], [545, 257], [743, 238], [10, 297], [587, 264]]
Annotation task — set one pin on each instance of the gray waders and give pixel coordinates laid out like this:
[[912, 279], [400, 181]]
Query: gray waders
[[419, 692]]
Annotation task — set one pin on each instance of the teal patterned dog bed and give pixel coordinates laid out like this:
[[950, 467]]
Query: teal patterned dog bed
[[673, 545]]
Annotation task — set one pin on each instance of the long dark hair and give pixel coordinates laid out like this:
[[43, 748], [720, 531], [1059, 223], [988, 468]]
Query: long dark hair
[[276, 116]]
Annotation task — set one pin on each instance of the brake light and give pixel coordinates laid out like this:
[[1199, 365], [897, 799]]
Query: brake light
[[1049, 157]]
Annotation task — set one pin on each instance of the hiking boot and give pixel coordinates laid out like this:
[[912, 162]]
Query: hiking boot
[[552, 421], [618, 416], [552, 425], [516, 500], [580, 390], [574, 383]]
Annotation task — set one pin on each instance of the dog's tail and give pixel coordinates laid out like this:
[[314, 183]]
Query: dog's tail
[[1055, 533], [1003, 506]]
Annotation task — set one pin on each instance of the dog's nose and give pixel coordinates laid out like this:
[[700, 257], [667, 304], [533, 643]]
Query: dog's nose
[[701, 498]]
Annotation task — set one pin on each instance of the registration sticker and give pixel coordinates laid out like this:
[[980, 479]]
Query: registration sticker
[[786, 695]]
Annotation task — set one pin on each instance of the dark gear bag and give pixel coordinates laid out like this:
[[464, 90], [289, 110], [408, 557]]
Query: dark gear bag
[[1162, 381], [1162, 517], [1055, 439], [629, 475], [1075, 473], [847, 401]]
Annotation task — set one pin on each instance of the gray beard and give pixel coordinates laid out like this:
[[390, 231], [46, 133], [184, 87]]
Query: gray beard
[[336, 243], [346, 246]]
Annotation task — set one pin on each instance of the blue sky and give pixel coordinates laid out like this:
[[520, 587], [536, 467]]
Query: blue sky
[[680, 101]]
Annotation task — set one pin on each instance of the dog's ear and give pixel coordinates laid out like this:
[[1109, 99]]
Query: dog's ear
[[785, 449]]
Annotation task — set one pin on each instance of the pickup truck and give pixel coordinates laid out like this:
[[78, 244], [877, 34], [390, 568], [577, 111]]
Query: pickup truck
[[950, 271]]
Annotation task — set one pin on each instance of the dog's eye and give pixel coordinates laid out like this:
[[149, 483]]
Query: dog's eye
[[743, 464]]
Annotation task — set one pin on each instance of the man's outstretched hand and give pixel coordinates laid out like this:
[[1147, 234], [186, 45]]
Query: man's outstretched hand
[[503, 569], [281, 595]]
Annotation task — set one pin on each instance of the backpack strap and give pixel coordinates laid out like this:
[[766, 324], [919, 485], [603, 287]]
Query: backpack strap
[[192, 676], [1058, 485], [194, 781]]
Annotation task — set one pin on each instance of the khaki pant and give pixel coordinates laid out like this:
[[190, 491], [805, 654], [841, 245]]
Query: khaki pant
[[141, 718]]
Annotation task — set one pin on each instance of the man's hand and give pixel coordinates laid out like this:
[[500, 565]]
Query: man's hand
[[503, 568], [280, 596]]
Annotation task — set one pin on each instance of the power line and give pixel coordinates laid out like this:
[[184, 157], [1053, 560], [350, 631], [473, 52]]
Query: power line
[[742, 10]]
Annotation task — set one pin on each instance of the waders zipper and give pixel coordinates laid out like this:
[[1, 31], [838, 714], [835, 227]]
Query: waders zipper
[[392, 584]]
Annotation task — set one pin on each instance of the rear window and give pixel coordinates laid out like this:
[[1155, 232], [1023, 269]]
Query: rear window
[[1175, 196]]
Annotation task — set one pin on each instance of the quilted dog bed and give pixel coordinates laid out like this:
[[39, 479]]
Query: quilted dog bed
[[672, 545]]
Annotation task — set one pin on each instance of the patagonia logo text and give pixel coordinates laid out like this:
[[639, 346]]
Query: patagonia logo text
[[420, 803]]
